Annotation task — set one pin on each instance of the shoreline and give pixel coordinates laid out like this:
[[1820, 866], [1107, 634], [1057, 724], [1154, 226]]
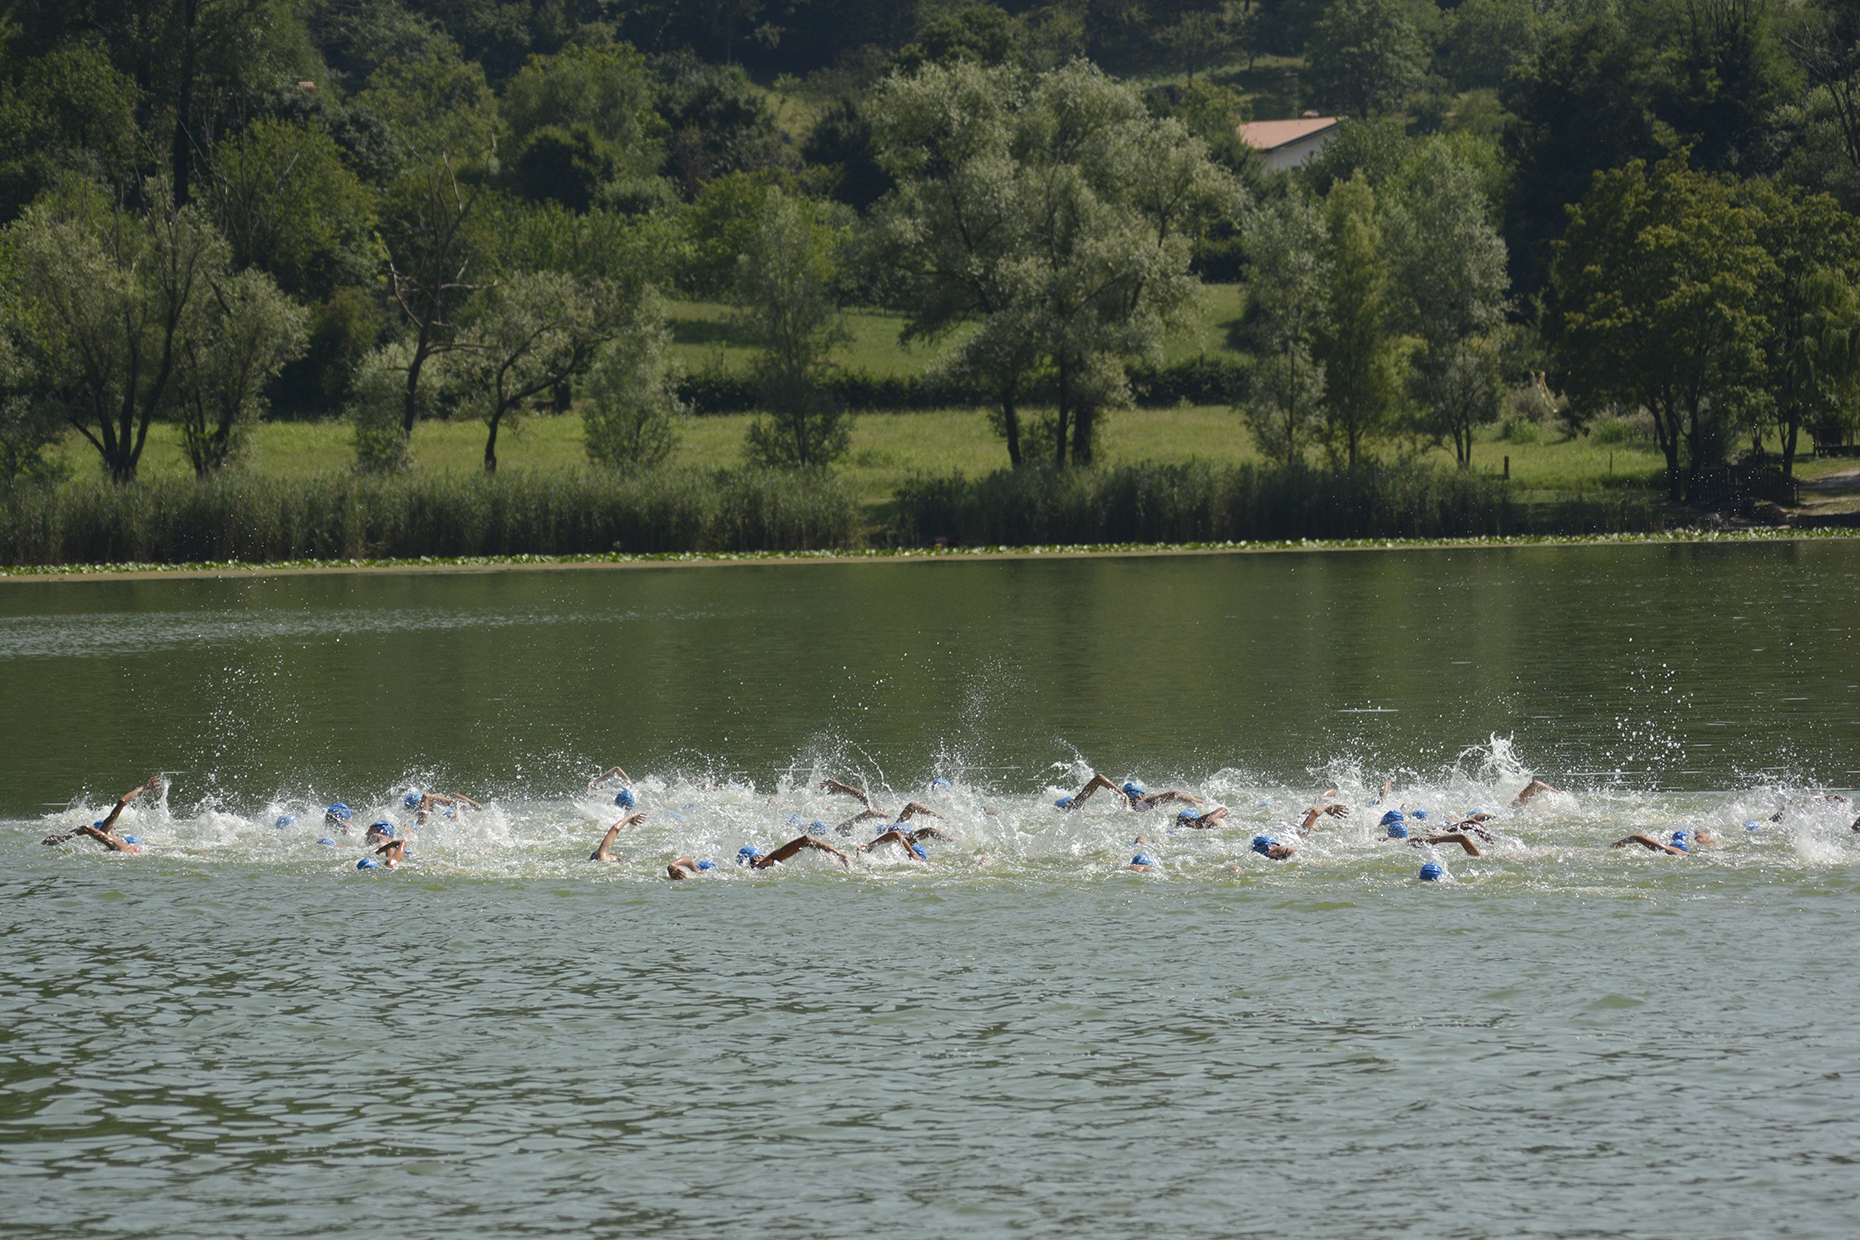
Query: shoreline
[[29, 574]]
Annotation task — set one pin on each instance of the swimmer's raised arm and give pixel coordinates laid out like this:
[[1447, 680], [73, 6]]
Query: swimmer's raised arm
[[795, 846], [605, 851], [893, 836], [1650, 845], [1382, 796], [1205, 821], [1077, 800], [1312, 815], [916, 807], [927, 833], [1163, 798], [845, 828], [1454, 837], [447, 798], [152, 784], [1530, 790], [834, 787], [607, 774]]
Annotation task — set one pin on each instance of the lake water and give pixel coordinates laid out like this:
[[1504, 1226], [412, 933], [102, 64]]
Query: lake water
[[239, 1034]]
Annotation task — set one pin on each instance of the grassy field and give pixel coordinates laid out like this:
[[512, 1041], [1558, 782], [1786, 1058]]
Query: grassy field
[[888, 448], [704, 338]]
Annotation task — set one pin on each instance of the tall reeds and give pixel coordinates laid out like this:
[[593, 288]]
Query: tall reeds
[[348, 516]]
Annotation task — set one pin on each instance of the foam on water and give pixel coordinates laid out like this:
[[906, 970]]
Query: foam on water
[[1559, 840]]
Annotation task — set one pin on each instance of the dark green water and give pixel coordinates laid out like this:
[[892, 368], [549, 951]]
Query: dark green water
[[238, 1034]]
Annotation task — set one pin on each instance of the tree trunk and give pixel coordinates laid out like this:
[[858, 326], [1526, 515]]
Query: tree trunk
[[1010, 418], [1667, 435], [1065, 413], [1081, 433], [183, 148]]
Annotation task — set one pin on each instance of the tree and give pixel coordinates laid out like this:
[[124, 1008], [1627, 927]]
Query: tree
[[1825, 41], [111, 296], [439, 106], [70, 111], [249, 333], [631, 420], [1202, 38], [1351, 341], [1059, 212], [1288, 271], [1659, 281], [582, 124], [1449, 279], [431, 247], [1365, 56], [526, 335], [1812, 350], [785, 305], [28, 424]]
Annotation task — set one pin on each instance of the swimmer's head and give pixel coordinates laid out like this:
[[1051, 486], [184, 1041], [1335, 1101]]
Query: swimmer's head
[[1753, 826], [327, 842], [1433, 872], [1063, 803], [707, 865], [816, 827], [1263, 844], [1132, 788], [97, 825], [919, 850], [368, 863], [747, 853], [1142, 859], [1397, 831], [284, 820], [412, 800], [1682, 841], [383, 827], [1420, 814], [338, 810], [1393, 815], [939, 782], [1187, 813], [625, 798], [130, 839]]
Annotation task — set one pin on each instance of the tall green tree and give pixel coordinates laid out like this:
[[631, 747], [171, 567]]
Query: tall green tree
[[786, 306], [1288, 273], [1659, 283], [1366, 56], [1450, 282], [1352, 340], [250, 332]]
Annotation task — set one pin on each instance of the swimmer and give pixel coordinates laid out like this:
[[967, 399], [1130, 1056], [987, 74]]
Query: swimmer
[[338, 815], [1077, 800], [1832, 798], [394, 850], [1192, 821], [685, 867], [428, 800], [606, 775], [605, 851], [895, 836], [103, 829], [1680, 847], [904, 815], [1452, 837], [1139, 800], [378, 831], [1320, 810], [1271, 849], [755, 859], [1530, 790], [834, 787], [1143, 863]]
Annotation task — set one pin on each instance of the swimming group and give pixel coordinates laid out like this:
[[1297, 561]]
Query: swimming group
[[389, 843]]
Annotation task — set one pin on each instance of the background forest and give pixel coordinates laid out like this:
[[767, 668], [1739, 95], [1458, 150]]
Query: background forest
[[918, 242]]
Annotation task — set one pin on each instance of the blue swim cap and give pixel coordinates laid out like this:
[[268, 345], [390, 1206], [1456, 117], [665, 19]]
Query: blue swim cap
[[1262, 844], [1681, 842], [327, 842], [1187, 813], [1132, 788], [1753, 826], [98, 824], [130, 839], [1393, 815], [1397, 831], [816, 827], [383, 826], [939, 782], [1142, 859], [921, 854], [338, 810], [1432, 872], [882, 827], [412, 800], [1063, 803], [747, 853], [625, 798], [284, 820], [367, 863], [1421, 814], [707, 865]]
